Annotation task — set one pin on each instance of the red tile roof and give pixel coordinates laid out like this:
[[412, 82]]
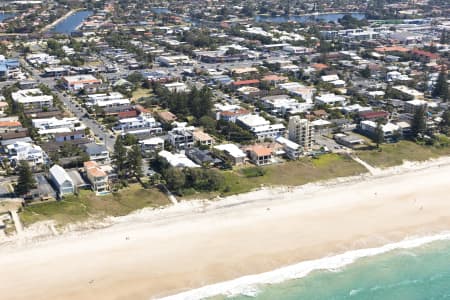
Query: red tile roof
[[246, 82], [424, 53], [127, 114], [391, 49], [238, 112], [373, 114], [10, 124], [261, 150]]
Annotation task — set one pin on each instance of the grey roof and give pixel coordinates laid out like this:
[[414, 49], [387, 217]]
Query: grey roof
[[60, 175], [94, 148], [12, 141], [76, 178], [43, 187]]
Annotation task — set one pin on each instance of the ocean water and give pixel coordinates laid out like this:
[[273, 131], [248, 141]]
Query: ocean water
[[416, 273], [415, 268]]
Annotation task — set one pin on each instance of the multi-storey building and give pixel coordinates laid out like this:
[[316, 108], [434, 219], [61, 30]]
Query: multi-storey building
[[301, 131]]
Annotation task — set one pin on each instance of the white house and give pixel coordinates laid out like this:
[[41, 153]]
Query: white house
[[113, 99], [178, 160], [330, 99], [261, 127], [176, 87], [329, 78], [389, 130], [233, 152], [32, 98], [54, 125], [78, 82], [140, 122], [62, 181], [292, 149], [20, 151]]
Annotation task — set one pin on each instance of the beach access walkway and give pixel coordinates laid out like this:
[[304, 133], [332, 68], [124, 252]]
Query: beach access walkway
[[372, 170], [17, 222]]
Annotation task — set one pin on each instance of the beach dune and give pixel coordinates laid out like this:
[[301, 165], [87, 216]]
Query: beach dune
[[155, 254]]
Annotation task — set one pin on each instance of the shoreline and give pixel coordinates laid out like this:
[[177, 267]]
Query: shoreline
[[249, 285], [200, 243]]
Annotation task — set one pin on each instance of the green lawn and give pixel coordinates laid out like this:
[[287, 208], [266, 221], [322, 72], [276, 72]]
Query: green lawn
[[293, 173], [140, 93], [395, 154], [88, 205]]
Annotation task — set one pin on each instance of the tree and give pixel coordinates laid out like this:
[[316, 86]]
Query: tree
[[208, 123], [365, 72], [441, 87], [418, 125], [135, 160], [446, 118], [135, 78], [26, 180], [120, 158], [379, 134], [175, 179]]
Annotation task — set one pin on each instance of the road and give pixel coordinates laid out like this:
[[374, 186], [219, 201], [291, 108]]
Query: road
[[71, 105]]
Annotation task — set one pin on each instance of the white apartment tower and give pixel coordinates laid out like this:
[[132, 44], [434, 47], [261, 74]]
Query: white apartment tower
[[302, 132]]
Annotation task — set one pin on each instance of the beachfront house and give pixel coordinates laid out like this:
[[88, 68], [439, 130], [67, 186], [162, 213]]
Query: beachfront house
[[232, 152], [260, 155], [61, 180], [97, 177]]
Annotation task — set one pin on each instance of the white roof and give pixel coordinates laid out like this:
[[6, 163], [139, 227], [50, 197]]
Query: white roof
[[328, 78], [152, 141], [60, 175], [338, 82], [114, 102], [30, 96], [387, 127], [287, 143], [232, 150], [178, 160], [356, 107], [330, 98], [417, 102], [320, 122], [268, 128], [253, 120]]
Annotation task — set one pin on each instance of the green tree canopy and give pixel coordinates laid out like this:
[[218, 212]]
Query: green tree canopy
[[26, 180]]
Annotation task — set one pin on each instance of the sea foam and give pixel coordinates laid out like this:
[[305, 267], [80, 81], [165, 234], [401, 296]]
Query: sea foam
[[248, 283]]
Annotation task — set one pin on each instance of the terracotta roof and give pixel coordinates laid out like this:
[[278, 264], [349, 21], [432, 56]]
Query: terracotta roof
[[3, 104], [90, 164], [391, 49], [373, 114], [96, 172], [201, 136], [274, 78], [230, 113], [127, 114], [166, 116], [10, 124], [246, 82], [142, 109], [425, 53], [320, 67], [261, 150], [93, 169]]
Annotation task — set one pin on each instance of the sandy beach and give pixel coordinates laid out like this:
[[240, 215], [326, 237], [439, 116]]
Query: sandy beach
[[153, 254]]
